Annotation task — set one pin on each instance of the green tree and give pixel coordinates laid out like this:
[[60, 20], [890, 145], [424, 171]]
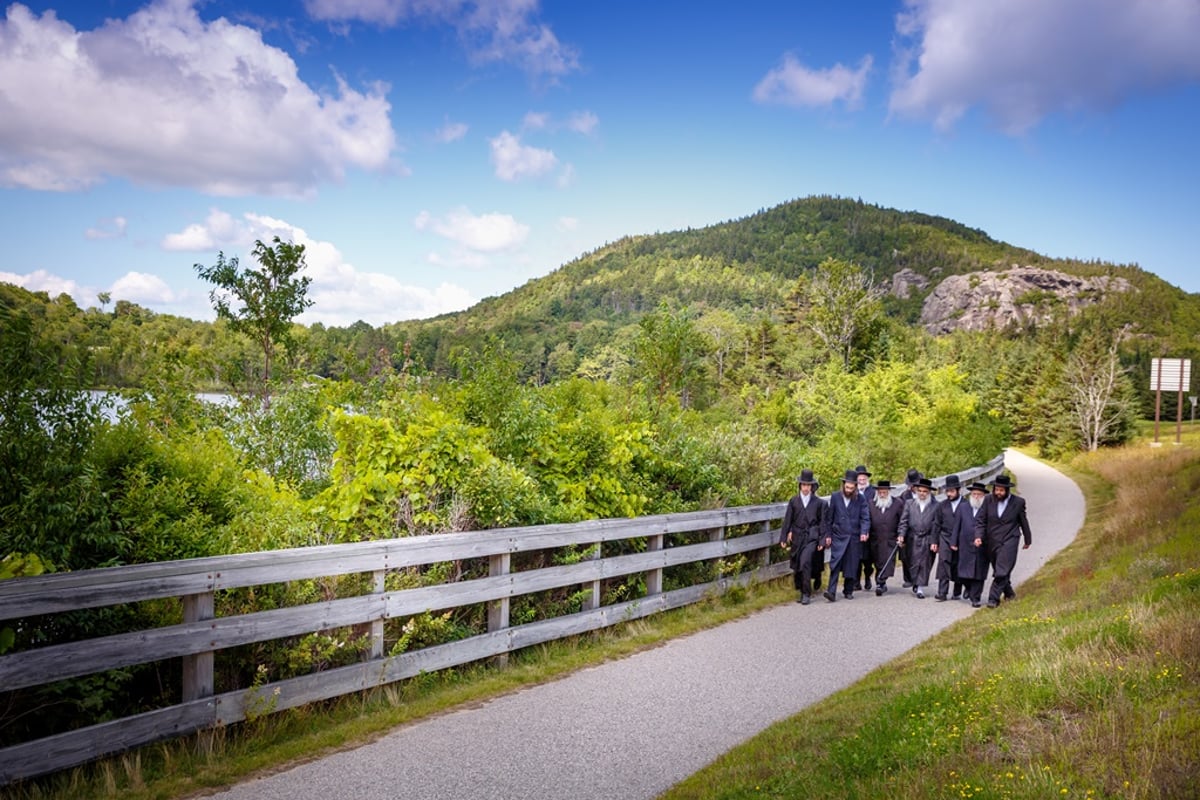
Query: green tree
[[669, 354], [270, 297], [840, 304]]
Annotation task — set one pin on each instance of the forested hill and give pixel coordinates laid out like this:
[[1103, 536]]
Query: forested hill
[[747, 266]]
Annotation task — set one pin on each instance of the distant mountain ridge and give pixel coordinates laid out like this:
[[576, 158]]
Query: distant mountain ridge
[[747, 266]]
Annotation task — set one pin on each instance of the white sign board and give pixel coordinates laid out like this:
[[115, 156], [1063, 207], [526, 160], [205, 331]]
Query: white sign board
[[1171, 375]]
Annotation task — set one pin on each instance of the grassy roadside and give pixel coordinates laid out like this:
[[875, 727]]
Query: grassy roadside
[[198, 765], [1088, 687]]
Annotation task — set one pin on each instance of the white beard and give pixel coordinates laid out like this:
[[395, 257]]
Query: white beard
[[975, 503], [882, 503]]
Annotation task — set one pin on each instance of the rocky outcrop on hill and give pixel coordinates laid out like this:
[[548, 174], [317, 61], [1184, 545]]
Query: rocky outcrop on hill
[[906, 282], [978, 301]]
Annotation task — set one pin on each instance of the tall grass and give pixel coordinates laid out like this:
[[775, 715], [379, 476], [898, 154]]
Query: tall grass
[[1088, 687]]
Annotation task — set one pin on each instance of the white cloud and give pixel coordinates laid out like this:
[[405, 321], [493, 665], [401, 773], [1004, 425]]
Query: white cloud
[[110, 228], [145, 290], [568, 223], [164, 98], [566, 176], [219, 230], [451, 132], [341, 293], [1022, 61], [793, 84], [504, 31], [535, 120], [487, 233], [52, 285], [514, 161], [584, 122]]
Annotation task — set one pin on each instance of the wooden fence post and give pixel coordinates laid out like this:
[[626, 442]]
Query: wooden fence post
[[654, 578], [716, 535], [593, 599], [377, 625], [498, 610], [198, 668]]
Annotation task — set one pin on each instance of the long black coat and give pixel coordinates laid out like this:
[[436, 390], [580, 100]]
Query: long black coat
[[972, 560], [846, 524], [885, 528], [944, 523], [806, 525], [1002, 534]]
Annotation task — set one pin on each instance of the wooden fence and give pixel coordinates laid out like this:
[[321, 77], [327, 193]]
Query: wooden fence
[[200, 634]]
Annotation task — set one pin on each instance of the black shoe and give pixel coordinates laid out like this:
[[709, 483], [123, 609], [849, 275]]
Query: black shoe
[[879, 591], [830, 596], [957, 597], [993, 604], [914, 588], [848, 595], [941, 598], [805, 600], [920, 595], [1010, 595], [976, 604]]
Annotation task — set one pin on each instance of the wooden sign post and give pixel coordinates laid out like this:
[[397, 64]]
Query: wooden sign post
[[1171, 375]]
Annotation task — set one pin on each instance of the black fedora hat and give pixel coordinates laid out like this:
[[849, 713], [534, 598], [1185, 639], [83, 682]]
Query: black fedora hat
[[952, 482], [976, 486], [806, 476], [924, 482], [1003, 481], [883, 484], [861, 470], [912, 477], [850, 477]]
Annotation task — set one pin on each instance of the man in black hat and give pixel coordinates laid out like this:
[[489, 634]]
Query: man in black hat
[[972, 552], [885, 513], [906, 548], [846, 529], [802, 532], [916, 528], [947, 543], [862, 580], [1001, 524]]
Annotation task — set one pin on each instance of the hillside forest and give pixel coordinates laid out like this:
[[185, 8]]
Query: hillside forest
[[680, 371]]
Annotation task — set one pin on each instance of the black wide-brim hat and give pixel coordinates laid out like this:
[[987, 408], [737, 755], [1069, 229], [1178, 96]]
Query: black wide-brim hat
[[806, 476], [923, 481], [952, 482], [850, 477], [883, 484], [1003, 480], [861, 470], [976, 486]]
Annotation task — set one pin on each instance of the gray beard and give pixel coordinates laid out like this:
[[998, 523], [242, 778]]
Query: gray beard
[[882, 503], [975, 504]]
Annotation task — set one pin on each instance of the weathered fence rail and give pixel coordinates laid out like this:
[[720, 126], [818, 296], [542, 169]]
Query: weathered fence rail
[[200, 634]]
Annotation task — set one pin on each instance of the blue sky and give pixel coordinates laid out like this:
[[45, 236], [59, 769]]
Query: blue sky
[[430, 153]]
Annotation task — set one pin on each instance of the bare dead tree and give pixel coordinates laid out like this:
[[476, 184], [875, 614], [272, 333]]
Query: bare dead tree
[[1093, 376]]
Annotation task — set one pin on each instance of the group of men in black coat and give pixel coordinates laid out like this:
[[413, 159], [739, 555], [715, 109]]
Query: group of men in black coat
[[863, 527]]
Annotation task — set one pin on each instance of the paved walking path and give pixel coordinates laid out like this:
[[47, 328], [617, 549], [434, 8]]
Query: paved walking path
[[632, 728]]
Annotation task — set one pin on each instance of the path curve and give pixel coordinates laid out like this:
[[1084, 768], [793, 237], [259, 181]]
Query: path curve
[[634, 727]]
